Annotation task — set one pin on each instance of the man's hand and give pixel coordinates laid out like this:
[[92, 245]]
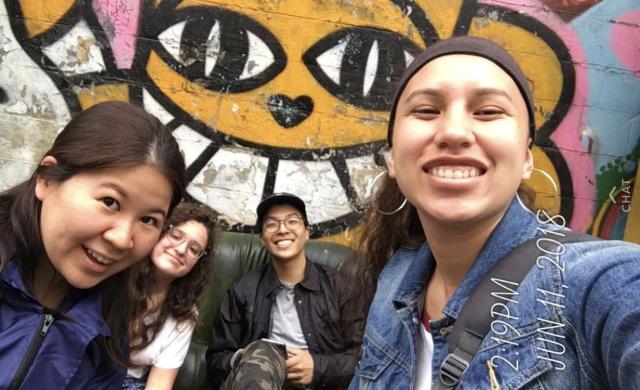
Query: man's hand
[[299, 366]]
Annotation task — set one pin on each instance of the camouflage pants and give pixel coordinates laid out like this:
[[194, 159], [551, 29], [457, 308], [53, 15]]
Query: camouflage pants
[[261, 367]]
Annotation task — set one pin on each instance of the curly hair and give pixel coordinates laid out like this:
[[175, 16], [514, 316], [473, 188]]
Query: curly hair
[[183, 293]]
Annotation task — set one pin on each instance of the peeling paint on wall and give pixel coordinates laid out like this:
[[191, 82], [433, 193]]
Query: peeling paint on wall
[[32, 109], [293, 96]]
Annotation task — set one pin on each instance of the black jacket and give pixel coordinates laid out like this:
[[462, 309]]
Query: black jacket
[[332, 332]]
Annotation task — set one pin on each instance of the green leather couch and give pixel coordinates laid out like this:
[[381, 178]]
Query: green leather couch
[[236, 254]]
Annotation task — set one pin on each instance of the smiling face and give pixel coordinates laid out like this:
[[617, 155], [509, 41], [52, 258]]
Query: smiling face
[[285, 244], [460, 140], [174, 260], [97, 223]]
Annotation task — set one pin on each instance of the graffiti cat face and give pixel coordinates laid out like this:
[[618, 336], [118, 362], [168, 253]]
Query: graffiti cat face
[[282, 79], [288, 96], [291, 102]]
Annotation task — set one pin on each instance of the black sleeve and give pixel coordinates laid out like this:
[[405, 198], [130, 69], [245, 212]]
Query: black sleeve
[[334, 371], [225, 339]]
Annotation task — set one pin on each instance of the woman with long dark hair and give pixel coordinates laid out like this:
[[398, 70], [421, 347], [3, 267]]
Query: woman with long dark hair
[[472, 289], [165, 290], [95, 205]]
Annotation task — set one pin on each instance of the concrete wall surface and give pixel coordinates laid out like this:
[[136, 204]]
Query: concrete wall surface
[[292, 95]]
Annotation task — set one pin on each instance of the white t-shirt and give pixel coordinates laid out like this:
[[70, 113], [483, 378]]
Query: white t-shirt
[[167, 350], [424, 358]]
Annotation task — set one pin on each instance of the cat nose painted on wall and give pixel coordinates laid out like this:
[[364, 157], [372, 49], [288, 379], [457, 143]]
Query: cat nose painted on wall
[[290, 112]]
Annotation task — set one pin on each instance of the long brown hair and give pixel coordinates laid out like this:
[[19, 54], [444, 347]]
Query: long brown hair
[[402, 229], [108, 135], [183, 293], [382, 234]]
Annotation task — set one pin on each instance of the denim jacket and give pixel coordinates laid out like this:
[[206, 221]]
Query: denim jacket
[[573, 322]]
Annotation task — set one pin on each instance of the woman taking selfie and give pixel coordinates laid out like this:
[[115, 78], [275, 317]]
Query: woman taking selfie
[[452, 309], [95, 205], [164, 292]]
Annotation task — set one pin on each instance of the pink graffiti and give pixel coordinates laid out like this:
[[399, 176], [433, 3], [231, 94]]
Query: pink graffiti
[[119, 19], [627, 50], [567, 135]]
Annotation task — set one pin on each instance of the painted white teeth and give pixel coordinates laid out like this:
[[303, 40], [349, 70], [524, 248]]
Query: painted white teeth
[[455, 172]]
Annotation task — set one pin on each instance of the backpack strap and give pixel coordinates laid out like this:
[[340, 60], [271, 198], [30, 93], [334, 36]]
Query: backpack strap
[[474, 321]]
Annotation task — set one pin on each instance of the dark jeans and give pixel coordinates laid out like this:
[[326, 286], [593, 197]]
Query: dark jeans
[[131, 383]]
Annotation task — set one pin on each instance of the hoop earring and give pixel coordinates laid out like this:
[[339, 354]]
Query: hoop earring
[[555, 189], [378, 176]]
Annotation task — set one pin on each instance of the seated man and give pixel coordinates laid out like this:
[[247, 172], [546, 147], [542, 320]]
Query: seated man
[[290, 300]]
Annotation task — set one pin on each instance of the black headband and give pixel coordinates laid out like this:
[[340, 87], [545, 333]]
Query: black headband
[[473, 46]]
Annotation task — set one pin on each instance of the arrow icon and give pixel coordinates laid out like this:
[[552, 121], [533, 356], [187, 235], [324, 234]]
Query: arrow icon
[[611, 195]]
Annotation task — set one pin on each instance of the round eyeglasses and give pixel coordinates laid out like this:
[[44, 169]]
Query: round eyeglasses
[[177, 237], [271, 225]]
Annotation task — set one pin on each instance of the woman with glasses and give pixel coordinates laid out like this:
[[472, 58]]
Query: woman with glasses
[[165, 291]]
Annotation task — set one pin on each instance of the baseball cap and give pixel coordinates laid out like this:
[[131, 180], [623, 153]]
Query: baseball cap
[[281, 198]]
